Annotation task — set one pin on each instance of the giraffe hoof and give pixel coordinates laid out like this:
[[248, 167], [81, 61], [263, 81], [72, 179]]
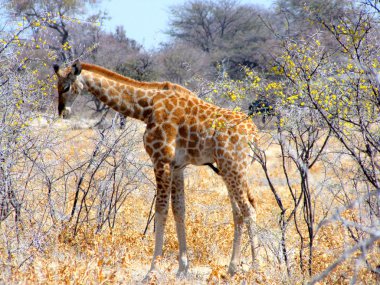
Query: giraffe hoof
[[151, 277], [233, 269], [182, 274]]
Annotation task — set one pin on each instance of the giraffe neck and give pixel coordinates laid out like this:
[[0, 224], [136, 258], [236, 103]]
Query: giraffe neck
[[129, 100], [140, 84]]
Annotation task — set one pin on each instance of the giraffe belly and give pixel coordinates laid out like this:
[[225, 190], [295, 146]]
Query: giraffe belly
[[185, 157], [202, 159], [197, 151]]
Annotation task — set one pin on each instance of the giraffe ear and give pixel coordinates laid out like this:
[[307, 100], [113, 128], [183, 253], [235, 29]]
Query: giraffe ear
[[56, 68], [76, 68]]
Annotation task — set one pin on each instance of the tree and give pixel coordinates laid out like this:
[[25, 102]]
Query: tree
[[180, 63], [300, 16], [54, 22], [227, 30], [124, 55]]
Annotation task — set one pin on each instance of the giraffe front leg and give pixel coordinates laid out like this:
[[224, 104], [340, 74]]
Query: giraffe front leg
[[178, 207], [162, 173]]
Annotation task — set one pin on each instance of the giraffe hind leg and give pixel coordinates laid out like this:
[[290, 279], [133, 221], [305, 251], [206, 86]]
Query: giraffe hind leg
[[238, 231], [238, 191], [252, 225]]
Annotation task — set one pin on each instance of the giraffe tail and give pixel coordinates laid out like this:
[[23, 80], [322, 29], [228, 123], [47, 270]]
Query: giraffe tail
[[216, 170], [251, 198]]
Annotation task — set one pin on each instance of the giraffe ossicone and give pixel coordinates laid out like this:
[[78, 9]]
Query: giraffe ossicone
[[181, 129]]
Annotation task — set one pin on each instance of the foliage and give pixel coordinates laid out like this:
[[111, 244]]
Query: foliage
[[336, 93]]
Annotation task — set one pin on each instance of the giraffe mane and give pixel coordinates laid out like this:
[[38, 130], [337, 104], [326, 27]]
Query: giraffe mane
[[140, 84]]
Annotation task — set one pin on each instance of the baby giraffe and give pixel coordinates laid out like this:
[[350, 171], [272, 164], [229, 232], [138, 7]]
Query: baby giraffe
[[181, 129]]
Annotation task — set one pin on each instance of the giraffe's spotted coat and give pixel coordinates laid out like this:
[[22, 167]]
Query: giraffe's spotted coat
[[181, 129]]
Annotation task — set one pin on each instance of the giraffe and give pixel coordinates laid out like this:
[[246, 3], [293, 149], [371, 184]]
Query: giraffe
[[181, 129]]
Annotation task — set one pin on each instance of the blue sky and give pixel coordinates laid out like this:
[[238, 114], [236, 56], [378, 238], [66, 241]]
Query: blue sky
[[146, 20]]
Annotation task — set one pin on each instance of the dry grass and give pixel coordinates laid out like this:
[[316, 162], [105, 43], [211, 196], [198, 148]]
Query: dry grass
[[123, 255]]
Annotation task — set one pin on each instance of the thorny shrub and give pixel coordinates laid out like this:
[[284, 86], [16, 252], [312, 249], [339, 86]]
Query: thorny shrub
[[46, 186]]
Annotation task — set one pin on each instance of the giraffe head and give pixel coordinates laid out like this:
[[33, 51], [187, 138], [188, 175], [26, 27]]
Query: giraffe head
[[68, 86]]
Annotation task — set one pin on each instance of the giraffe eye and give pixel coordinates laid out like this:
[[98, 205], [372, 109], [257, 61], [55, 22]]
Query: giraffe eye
[[66, 88]]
